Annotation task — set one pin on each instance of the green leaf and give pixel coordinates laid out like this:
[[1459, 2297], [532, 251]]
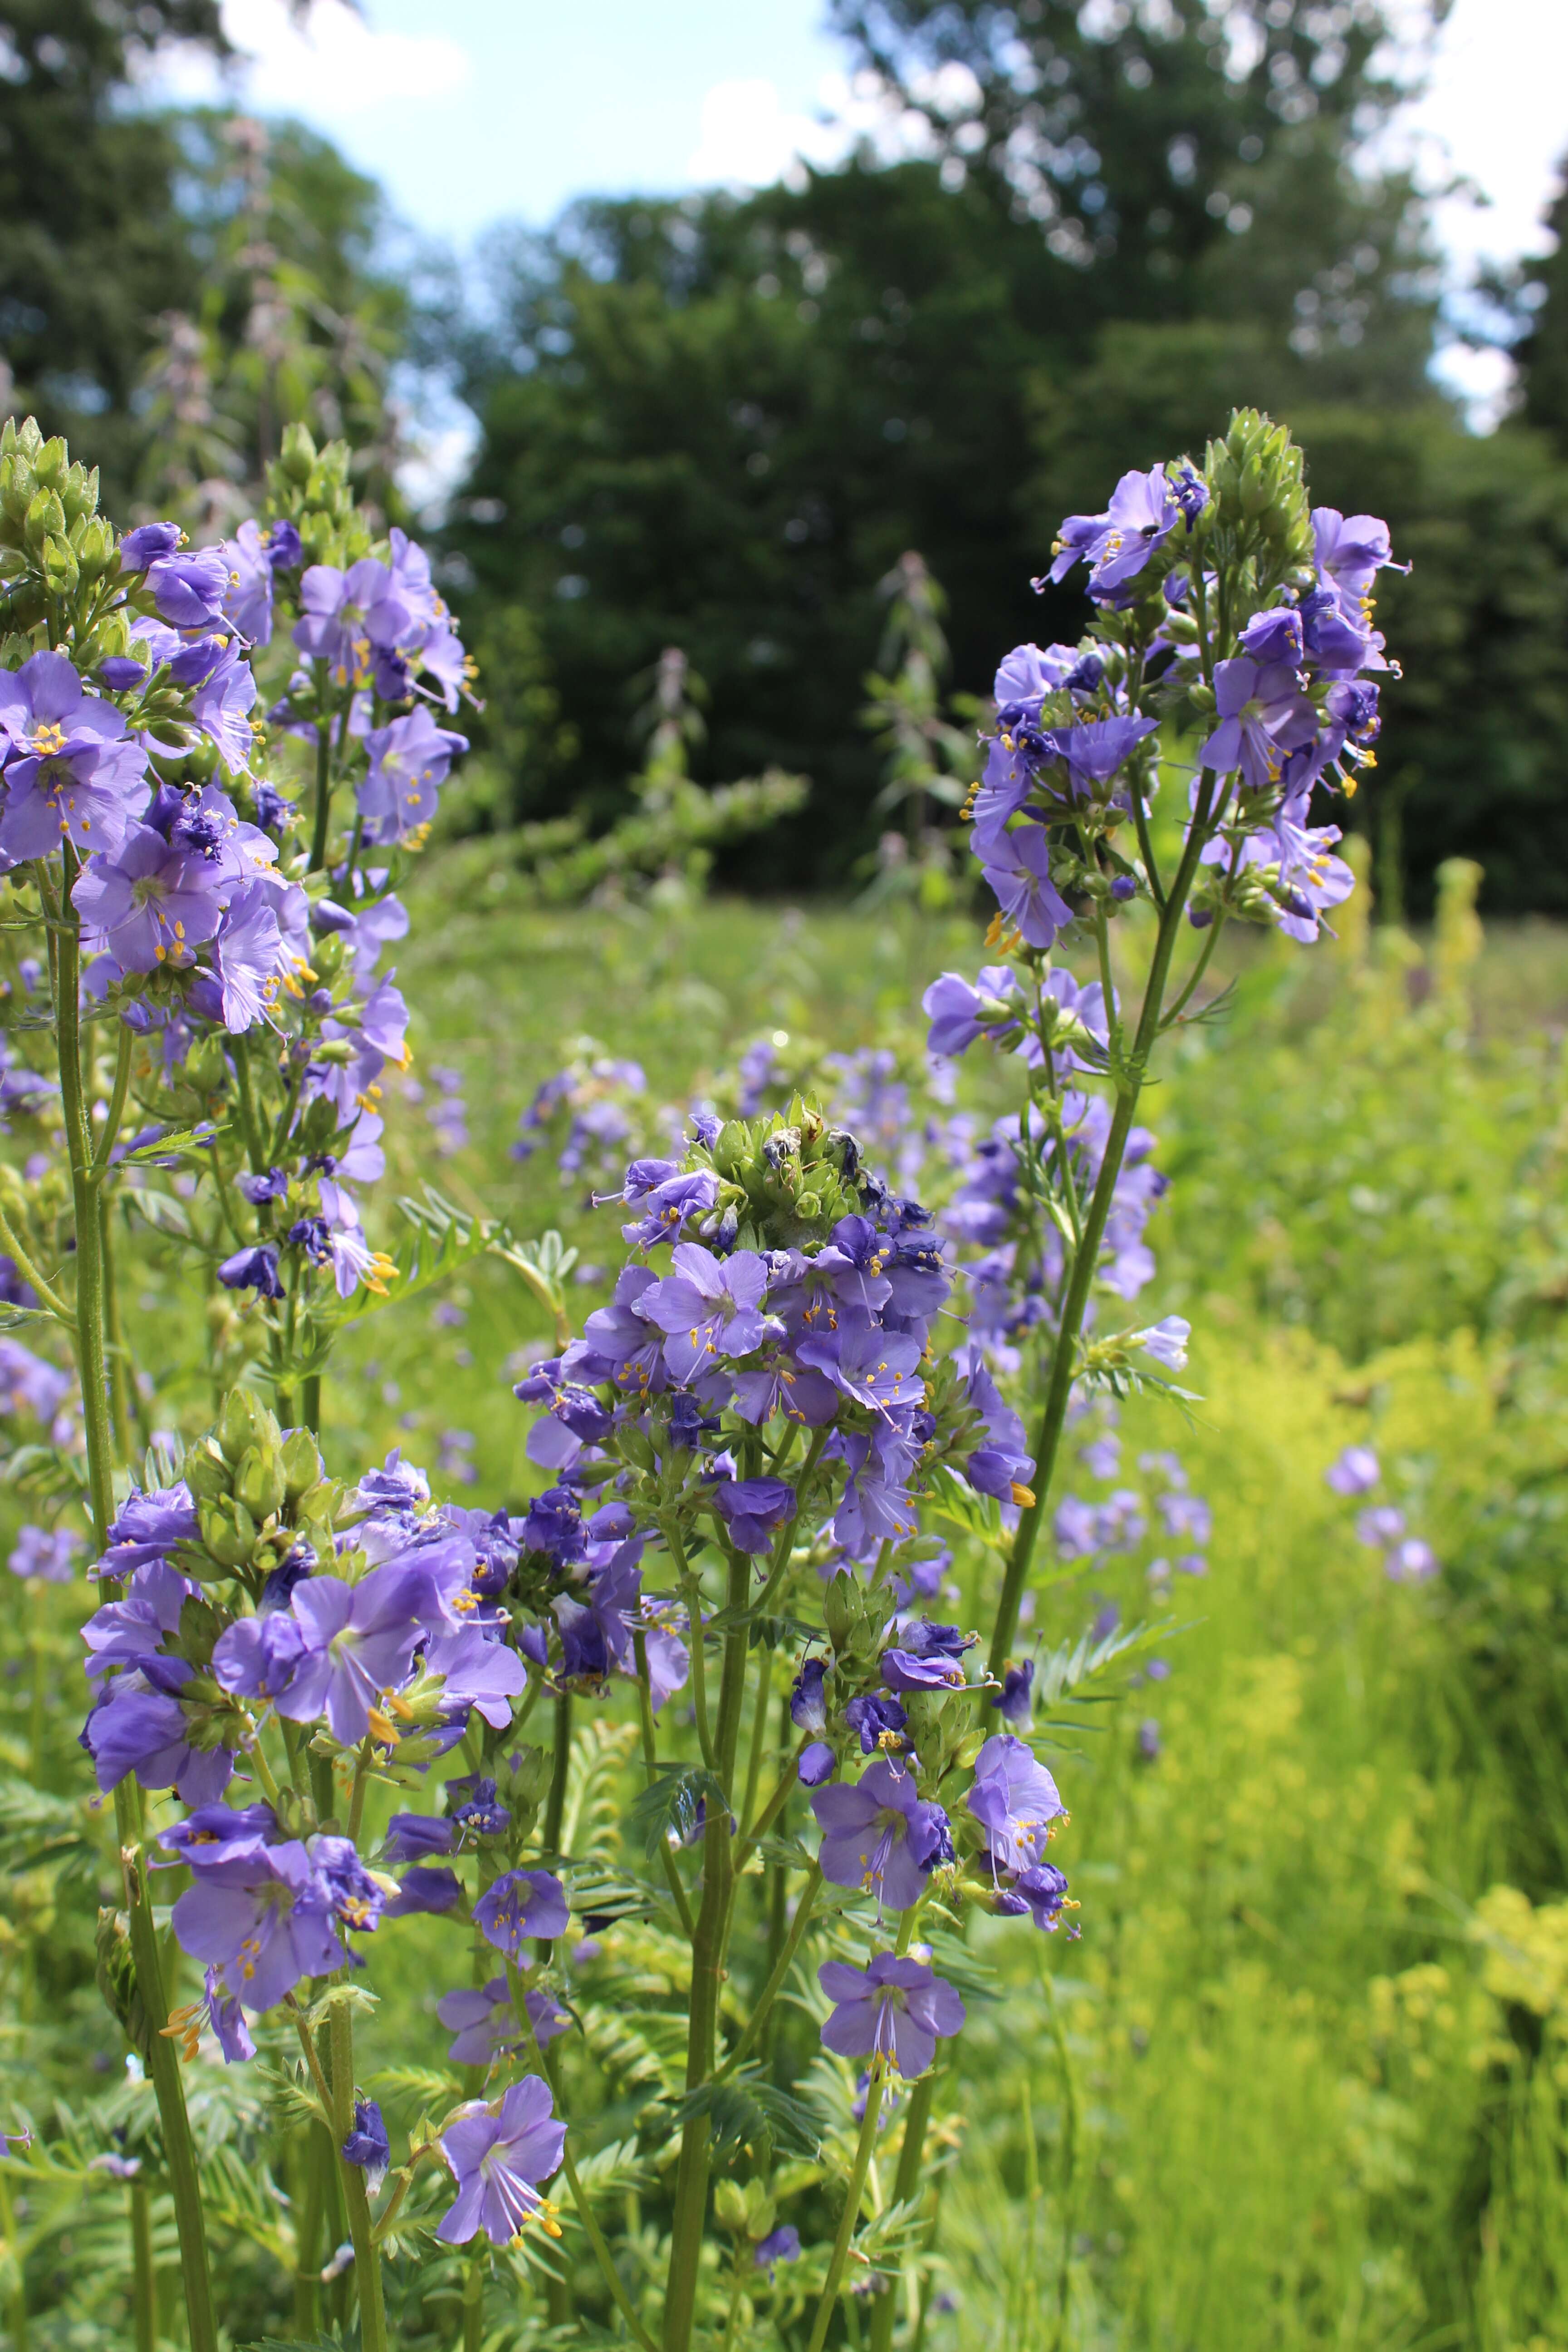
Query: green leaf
[[181, 1142], [162, 1211], [745, 2110], [669, 1802]]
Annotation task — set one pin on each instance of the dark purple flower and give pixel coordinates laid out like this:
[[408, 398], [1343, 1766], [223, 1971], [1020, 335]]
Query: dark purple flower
[[521, 1903], [367, 2144], [257, 1657], [895, 2009], [425, 1889], [780, 2245], [477, 1807], [818, 1763], [807, 1705], [413, 1837], [878, 1722], [753, 1509], [554, 1527], [253, 1269], [879, 1835], [1042, 1891], [1016, 1702], [497, 2155]]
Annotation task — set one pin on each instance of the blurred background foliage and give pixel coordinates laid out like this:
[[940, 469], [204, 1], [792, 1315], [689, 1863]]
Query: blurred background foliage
[[717, 424]]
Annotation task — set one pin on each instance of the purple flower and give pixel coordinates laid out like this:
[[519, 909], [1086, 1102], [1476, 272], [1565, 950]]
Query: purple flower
[[262, 1915], [780, 2245], [875, 1507], [1384, 1523], [1018, 866], [710, 1306], [412, 1837], [47, 1552], [409, 760], [188, 590], [1016, 1702], [257, 1657], [1166, 1341], [669, 1205], [878, 1834], [878, 1722], [71, 771], [221, 706], [1041, 1891], [485, 2025], [960, 1011], [817, 1762], [367, 2144], [427, 1889], [1263, 715], [895, 2009], [1015, 1800], [520, 1903], [246, 957], [875, 1368], [147, 544], [138, 1724], [227, 2018], [1351, 551], [753, 1509], [497, 2155], [807, 1705], [1356, 1472], [253, 1269], [149, 903], [479, 1672], [907, 1670], [1149, 1741], [1411, 1562], [1095, 752], [1117, 544], [149, 1526], [360, 1641]]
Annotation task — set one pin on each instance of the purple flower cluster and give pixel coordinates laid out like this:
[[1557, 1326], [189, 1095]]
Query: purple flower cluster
[[1382, 1527]]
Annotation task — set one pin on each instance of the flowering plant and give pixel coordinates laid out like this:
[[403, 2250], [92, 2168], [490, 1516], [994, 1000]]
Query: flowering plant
[[787, 1435]]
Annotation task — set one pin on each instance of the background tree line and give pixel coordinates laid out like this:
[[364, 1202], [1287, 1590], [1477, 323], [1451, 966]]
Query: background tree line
[[717, 421]]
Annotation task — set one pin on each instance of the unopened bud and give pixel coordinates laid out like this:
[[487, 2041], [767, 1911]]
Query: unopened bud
[[301, 1463], [229, 1531], [244, 1423], [258, 1482]]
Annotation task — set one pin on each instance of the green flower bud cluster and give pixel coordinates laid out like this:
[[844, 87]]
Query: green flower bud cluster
[[747, 2212], [52, 539], [1260, 495], [310, 487], [260, 1494], [788, 1177]]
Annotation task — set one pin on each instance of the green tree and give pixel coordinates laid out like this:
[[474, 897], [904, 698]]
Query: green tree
[[94, 245], [1539, 305]]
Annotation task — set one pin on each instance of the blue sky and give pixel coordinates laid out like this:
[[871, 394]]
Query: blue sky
[[473, 110]]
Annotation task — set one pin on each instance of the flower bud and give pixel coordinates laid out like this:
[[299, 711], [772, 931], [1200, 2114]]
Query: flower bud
[[60, 567], [95, 550], [245, 1421], [730, 2206], [205, 1472], [301, 1463], [258, 1482], [298, 455], [52, 463], [46, 518], [839, 1613], [79, 495], [229, 1531]]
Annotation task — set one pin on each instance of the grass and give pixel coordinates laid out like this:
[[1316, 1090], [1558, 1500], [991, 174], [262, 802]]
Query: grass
[[1294, 2085]]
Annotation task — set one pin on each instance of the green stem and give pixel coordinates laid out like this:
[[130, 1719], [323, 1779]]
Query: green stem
[[107, 1140], [16, 1249], [758, 1739], [1064, 1361], [474, 2299], [906, 2182], [16, 2302], [650, 1762], [707, 1969], [367, 2261], [124, 1403], [851, 2214], [785, 1961], [556, 1803], [143, 2289], [323, 786]]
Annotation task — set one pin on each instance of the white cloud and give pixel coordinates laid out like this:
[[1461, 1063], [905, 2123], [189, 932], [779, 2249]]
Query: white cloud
[[748, 139], [1493, 112], [329, 68]]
